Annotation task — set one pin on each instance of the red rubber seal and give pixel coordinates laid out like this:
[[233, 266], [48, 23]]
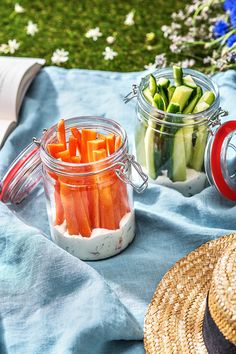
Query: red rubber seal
[[16, 166], [215, 160]]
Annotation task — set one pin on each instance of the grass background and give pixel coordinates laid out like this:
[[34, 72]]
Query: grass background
[[63, 24]]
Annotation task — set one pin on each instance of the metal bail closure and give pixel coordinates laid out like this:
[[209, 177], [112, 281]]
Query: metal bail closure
[[215, 119], [131, 94], [223, 160], [124, 172], [22, 176]]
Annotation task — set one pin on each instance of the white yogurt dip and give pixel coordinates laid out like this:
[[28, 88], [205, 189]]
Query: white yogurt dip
[[195, 182], [101, 244]]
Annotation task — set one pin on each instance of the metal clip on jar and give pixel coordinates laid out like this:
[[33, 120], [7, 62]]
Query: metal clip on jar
[[89, 205], [171, 147]]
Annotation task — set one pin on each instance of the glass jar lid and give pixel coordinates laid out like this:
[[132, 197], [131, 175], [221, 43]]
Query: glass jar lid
[[220, 160], [22, 176]]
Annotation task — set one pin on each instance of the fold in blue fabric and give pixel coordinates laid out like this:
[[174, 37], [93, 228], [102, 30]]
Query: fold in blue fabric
[[52, 302]]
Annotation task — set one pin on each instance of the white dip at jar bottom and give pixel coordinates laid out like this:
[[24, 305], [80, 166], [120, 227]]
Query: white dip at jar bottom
[[101, 244], [195, 182]]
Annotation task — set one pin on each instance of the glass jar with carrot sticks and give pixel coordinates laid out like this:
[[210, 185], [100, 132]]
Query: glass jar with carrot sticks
[[86, 170]]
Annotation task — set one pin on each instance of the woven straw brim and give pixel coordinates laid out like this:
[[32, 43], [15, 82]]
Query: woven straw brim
[[173, 322]]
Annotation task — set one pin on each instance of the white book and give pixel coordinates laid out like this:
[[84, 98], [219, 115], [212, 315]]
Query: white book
[[16, 74]]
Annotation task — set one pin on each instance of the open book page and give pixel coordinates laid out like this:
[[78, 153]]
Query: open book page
[[16, 74]]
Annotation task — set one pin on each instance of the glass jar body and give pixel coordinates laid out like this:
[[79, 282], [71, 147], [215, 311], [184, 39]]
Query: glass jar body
[[171, 147], [90, 209]]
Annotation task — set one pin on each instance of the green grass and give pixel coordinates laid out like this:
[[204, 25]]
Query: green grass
[[63, 24]]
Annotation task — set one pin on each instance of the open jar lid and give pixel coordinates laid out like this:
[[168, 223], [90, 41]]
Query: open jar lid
[[220, 160], [22, 176]]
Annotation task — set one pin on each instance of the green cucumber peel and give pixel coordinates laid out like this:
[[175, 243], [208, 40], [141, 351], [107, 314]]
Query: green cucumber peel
[[181, 96], [173, 108], [208, 97], [163, 92], [147, 94], [193, 101], [152, 84], [160, 102], [170, 92], [178, 75]]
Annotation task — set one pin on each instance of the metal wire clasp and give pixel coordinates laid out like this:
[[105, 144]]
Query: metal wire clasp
[[37, 141], [215, 119], [124, 173], [131, 94]]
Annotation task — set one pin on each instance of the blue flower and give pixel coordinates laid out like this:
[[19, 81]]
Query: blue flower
[[231, 40], [220, 28], [229, 5], [233, 17]]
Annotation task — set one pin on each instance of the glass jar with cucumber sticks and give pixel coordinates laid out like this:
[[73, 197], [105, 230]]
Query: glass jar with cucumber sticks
[[175, 108], [83, 168]]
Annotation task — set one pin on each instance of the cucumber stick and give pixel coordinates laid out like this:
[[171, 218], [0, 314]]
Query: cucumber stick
[[170, 92], [178, 157], [152, 85], [178, 75], [199, 148], [181, 96], [188, 81], [160, 102], [208, 97], [190, 107], [149, 97], [151, 152], [139, 139]]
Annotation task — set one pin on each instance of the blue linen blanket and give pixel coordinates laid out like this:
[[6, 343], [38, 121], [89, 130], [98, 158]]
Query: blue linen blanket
[[50, 301]]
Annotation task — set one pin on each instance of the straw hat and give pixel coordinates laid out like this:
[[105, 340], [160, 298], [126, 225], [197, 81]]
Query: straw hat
[[193, 309]]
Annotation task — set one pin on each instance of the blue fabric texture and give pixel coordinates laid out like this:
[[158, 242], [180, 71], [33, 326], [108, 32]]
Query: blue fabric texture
[[50, 301]]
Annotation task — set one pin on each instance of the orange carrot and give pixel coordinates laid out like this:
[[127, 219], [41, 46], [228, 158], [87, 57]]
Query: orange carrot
[[87, 134], [118, 142], [94, 145], [99, 154], [110, 143], [76, 159], [72, 145], [58, 205], [81, 214], [77, 134], [61, 133], [67, 198], [53, 149], [64, 155]]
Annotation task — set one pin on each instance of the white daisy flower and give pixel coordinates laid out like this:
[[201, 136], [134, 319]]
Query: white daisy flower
[[4, 48], [110, 39], [109, 53], [129, 19], [59, 56], [19, 9], [93, 33], [13, 45], [31, 28]]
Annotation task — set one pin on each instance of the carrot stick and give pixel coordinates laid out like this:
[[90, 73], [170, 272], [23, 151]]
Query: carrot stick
[[67, 198], [61, 133], [118, 142], [76, 159], [99, 154], [53, 149], [58, 205], [87, 134], [64, 155], [110, 143], [72, 145], [77, 134], [94, 145], [81, 214]]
